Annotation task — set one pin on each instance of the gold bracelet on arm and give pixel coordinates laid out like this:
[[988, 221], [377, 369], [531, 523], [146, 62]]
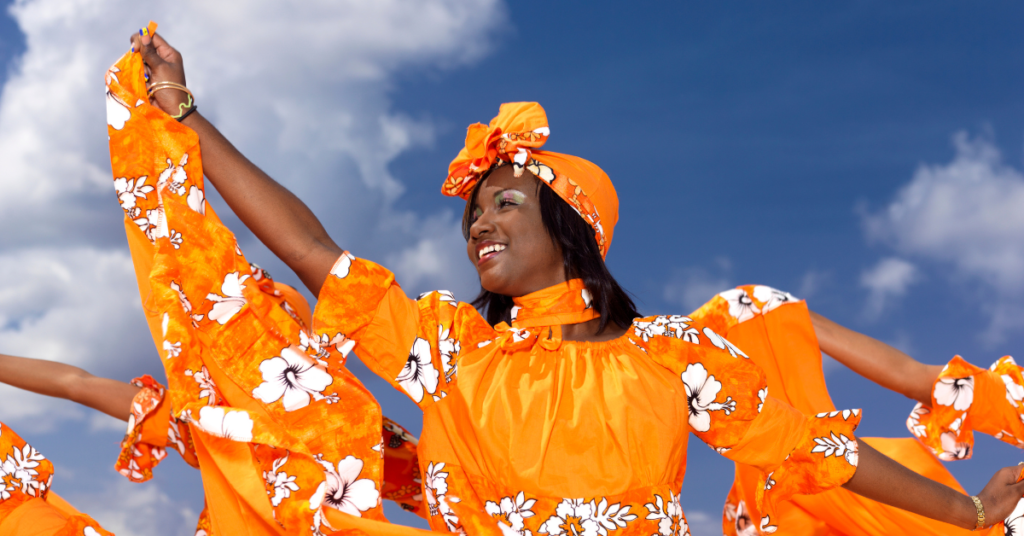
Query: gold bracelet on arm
[[981, 512], [184, 109]]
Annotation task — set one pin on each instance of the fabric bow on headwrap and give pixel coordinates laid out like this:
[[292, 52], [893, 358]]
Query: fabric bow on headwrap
[[515, 137]]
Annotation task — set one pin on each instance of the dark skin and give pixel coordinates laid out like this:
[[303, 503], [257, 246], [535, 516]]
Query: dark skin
[[530, 262]]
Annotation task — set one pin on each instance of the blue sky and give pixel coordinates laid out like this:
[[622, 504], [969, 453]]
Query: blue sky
[[749, 143]]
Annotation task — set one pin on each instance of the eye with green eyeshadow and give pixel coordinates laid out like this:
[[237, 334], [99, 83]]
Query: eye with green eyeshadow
[[509, 197]]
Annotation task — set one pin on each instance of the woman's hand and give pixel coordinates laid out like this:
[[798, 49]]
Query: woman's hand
[[163, 64], [1001, 495]]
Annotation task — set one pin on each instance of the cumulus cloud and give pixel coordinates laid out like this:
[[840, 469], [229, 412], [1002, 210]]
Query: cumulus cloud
[[965, 215], [887, 280], [692, 287], [130, 509]]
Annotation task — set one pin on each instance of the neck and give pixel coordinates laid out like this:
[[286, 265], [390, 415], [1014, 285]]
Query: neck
[[587, 331]]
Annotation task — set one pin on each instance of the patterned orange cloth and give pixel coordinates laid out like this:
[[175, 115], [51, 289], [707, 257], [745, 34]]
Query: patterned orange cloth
[[966, 398], [774, 329], [551, 436], [27, 506], [514, 137], [282, 430]]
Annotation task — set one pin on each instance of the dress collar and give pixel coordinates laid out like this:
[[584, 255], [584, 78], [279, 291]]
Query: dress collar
[[564, 303]]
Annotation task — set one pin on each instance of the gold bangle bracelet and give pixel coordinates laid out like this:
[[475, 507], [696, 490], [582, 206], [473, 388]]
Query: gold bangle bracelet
[[167, 85], [981, 512]]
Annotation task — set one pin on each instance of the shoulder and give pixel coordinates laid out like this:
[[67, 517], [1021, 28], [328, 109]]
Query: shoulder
[[737, 305], [455, 320], [670, 332]]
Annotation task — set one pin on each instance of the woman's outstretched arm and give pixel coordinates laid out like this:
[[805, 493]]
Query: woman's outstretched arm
[[881, 479], [876, 360], [59, 380], [275, 215]]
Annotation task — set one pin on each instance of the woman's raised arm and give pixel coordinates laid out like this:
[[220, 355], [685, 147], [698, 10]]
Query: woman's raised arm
[[876, 360], [59, 380], [275, 215]]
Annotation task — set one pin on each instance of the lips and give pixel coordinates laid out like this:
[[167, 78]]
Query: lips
[[488, 250]]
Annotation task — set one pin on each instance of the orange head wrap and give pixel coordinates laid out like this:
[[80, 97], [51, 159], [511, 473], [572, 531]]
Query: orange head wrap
[[514, 137]]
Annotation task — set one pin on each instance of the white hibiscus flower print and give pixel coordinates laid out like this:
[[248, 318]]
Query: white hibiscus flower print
[[766, 525], [512, 511], [196, 200], [317, 346], [1014, 524], [207, 389], [449, 349], [418, 374], [294, 378], [741, 307], [952, 449], [343, 488], [172, 349], [772, 298], [186, 305], [233, 425], [744, 525], [668, 326], [232, 301], [343, 265], [176, 239], [573, 517], [435, 487], [723, 344], [129, 191], [956, 392], [280, 485], [1014, 391], [18, 471], [175, 176], [669, 515], [514, 314], [701, 391], [914, 421], [762, 394], [157, 224], [846, 413], [118, 112], [840, 446]]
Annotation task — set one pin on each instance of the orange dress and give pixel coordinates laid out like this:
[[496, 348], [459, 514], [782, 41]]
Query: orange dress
[[27, 505], [775, 329], [550, 436]]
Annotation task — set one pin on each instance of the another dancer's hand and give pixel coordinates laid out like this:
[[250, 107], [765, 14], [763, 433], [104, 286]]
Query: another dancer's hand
[[1001, 495], [163, 64]]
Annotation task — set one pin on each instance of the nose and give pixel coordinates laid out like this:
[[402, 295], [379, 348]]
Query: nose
[[482, 226]]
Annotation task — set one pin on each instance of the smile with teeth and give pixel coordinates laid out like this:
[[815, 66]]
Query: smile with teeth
[[493, 248]]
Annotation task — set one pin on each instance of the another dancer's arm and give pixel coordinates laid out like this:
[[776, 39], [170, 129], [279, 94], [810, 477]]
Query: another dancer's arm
[[275, 215], [876, 360], [59, 380]]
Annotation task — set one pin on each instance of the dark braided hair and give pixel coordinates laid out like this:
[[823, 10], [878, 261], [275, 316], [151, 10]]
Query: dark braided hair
[[581, 258]]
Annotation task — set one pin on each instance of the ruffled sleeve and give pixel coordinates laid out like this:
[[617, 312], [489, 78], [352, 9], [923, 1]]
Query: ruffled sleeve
[[27, 506], [413, 344], [151, 429], [966, 398], [730, 410], [402, 483]]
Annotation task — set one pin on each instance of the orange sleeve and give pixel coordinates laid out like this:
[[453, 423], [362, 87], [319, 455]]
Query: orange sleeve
[[412, 344], [402, 482], [151, 429], [25, 506], [731, 411], [966, 398]]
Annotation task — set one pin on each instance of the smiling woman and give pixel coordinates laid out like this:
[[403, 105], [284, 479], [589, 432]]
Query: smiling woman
[[566, 414]]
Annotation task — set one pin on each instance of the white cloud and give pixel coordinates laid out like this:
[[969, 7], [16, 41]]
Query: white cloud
[[703, 523], [78, 306], [966, 215], [887, 280], [130, 509], [692, 287]]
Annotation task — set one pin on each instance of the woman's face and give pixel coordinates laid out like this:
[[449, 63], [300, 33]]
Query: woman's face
[[508, 244]]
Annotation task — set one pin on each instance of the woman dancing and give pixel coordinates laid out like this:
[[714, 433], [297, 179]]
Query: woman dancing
[[562, 412]]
